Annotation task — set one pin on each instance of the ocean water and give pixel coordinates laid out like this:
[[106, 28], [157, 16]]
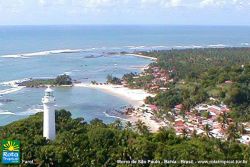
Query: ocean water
[[82, 53]]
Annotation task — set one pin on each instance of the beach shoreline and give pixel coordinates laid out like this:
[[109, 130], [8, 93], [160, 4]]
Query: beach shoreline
[[141, 56], [135, 96]]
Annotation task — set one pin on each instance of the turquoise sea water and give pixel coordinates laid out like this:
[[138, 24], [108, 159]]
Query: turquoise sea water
[[91, 62]]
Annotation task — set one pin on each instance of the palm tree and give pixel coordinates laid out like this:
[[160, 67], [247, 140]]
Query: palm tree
[[207, 115], [184, 132], [232, 132], [128, 125], [223, 119], [220, 120], [207, 130], [194, 134], [141, 127], [117, 124], [242, 129], [196, 112], [162, 134]]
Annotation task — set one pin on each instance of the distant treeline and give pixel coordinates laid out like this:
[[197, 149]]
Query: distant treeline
[[192, 62]]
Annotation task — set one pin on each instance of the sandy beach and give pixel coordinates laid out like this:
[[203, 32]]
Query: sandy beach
[[142, 56], [147, 119], [136, 96]]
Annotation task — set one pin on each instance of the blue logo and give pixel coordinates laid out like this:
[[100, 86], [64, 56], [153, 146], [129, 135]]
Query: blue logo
[[11, 152]]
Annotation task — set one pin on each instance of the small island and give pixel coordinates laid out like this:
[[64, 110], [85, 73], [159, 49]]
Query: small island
[[61, 80]]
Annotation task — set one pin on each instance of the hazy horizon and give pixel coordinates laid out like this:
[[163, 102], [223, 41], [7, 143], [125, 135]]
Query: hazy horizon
[[153, 25]]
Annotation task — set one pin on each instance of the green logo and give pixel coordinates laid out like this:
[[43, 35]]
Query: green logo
[[10, 152]]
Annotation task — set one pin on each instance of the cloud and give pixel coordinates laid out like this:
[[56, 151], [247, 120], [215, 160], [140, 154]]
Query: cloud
[[95, 3], [46, 3], [206, 3], [13, 6], [223, 3], [174, 2], [42, 2], [105, 4], [80, 6], [242, 3], [161, 3]]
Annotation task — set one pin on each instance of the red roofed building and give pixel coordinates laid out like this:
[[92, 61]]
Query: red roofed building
[[228, 82], [153, 107], [225, 109], [178, 107], [179, 122], [218, 110], [179, 129], [215, 109]]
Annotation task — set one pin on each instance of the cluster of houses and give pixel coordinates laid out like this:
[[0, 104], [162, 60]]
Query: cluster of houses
[[198, 119], [203, 119], [160, 78]]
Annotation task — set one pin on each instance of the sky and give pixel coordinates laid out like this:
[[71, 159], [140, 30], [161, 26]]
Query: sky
[[125, 12]]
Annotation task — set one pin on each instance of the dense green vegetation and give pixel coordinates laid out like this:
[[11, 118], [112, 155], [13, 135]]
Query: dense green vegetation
[[37, 82], [192, 62], [63, 80], [139, 82], [225, 84], [114, 80], [58, 81], [198, 75], [97, 144]]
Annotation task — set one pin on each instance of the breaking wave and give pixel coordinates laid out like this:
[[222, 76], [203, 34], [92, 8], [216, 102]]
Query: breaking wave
[[217, 46], [6, 113], [14, 86], [30, 111], [245, 44], [112, 116], [122, 48], [43, 53]]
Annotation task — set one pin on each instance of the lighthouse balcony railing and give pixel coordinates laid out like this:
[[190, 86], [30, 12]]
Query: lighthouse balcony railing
[[48, 99]]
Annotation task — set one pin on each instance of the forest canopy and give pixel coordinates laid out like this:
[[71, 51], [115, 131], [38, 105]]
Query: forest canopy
[[96, 144]]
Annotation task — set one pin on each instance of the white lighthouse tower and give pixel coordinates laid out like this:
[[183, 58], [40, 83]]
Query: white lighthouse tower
[[49, 128]]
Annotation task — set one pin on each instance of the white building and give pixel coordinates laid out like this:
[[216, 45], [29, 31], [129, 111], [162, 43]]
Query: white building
[[216, 133], [49, 129], [245, 139]]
